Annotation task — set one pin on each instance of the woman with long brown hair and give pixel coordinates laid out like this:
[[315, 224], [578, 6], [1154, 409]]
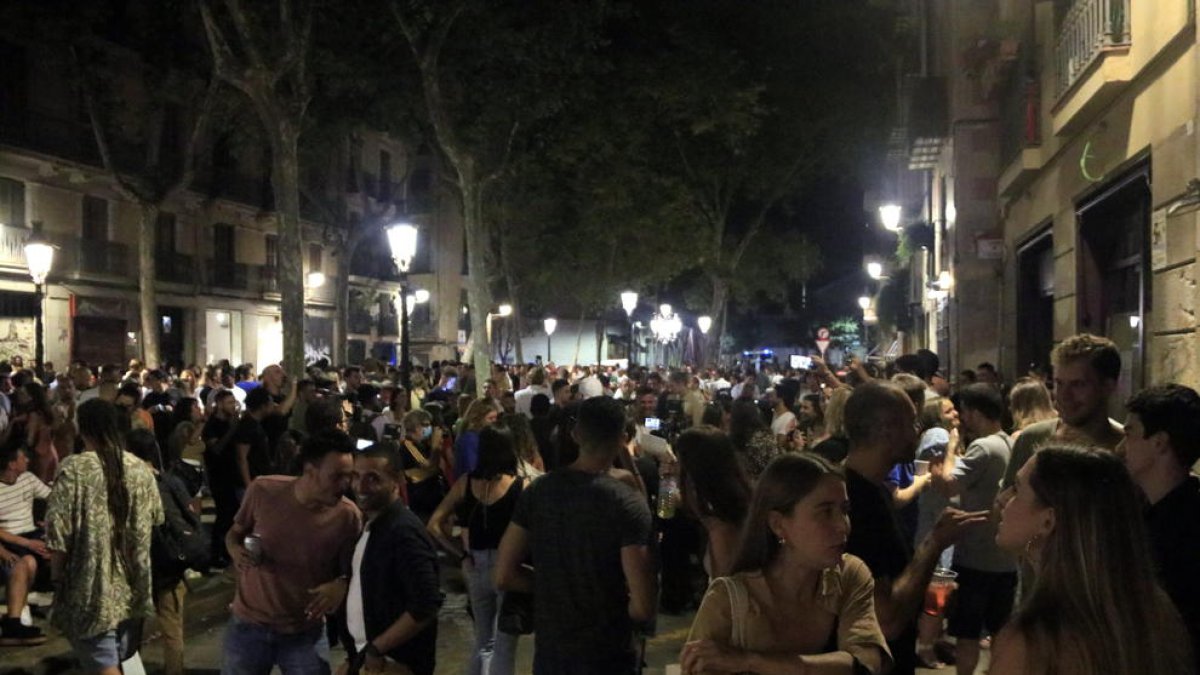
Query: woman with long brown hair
[[795, 599], [714, 489], [98, 524], [1094, 605]]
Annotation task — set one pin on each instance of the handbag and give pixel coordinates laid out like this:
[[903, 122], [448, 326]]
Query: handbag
[[516, 613]]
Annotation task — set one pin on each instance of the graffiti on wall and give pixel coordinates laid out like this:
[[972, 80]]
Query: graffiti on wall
[[16, 337]]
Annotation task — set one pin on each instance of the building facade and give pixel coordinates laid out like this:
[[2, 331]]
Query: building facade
[[1062, 193], [216, 248]]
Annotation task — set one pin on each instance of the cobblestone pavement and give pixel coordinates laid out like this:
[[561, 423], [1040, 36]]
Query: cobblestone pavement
[[207, 613]]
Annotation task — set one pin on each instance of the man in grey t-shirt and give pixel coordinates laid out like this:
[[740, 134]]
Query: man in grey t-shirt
[[987, 577]]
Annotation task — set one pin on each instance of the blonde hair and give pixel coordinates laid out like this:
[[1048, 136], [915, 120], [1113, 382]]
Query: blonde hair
[[835, 411], [1030, 403], [477, 412]]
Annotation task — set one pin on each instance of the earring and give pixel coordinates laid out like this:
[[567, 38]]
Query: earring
[[1033, 541], [782, 541]]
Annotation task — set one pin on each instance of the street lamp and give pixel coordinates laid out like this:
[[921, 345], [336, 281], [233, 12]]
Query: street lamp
[[889, 215], [864, 302], [39, 258], [402, 240], [875, 270], [549, 324], [704, 323], [666, 324], [501, 311], [629, 300]]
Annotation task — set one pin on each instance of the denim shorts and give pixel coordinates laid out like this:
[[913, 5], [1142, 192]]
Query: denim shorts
[[104, 650]]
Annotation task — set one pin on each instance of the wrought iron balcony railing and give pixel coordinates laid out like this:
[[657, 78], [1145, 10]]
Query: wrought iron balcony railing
[[1090, 28]]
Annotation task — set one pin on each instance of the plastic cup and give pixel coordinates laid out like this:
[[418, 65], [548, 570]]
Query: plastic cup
[[937, 595], [921, 467]]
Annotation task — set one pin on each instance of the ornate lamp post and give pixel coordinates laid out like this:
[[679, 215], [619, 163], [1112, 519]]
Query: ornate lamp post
[[666, 325], [549, 324], [402, 240], [39, 258], [629, 300]]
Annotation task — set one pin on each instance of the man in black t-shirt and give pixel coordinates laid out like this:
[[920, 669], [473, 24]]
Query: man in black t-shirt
[[220, 470], [252, 448], [1162, 443], [589, 536], [881, 423]]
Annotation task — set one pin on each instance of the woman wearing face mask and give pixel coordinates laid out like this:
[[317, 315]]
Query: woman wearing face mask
[[795, 602], [419, 457]]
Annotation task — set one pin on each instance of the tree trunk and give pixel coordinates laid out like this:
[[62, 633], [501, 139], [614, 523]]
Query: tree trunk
[[148, 213], [341, 314], [716, 309], [514, 296], [479, 295], [285, 181]]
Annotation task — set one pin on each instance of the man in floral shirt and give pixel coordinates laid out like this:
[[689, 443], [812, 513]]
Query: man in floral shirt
[[98, 589]]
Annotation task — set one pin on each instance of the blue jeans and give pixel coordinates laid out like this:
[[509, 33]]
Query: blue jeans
[[550, 664], [485, 603], [253, 649]]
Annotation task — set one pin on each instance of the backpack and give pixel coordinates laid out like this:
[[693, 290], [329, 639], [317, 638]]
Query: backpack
[[182, 542]]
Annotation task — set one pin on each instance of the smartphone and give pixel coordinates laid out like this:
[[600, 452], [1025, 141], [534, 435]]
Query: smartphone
[[362, 444], [653, 424], [800, 362]]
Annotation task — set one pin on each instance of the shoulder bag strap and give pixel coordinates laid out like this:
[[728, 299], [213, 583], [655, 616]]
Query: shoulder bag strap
[[739, 606]]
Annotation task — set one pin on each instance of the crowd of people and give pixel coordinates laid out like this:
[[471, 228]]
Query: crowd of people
[[871, 520]]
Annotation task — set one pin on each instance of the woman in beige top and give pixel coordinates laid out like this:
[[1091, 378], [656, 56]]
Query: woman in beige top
[[796, 602]]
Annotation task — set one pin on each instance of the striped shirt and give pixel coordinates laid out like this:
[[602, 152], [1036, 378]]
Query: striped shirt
[[16, 503]]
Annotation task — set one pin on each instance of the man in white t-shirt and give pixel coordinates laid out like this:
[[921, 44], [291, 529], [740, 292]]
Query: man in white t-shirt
[[783, 421], [21, 543], [537, 385]]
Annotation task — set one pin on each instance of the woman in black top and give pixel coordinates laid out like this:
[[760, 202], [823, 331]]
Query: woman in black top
[[483, 503]]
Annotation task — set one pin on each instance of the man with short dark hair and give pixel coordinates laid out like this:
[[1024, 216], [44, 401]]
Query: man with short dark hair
[[579, 523], [221, 468], [1086, 370], [987, 576], [22, 546], [252, 448], [1162, 443], [881, 425], [306, 532], [394, 594]]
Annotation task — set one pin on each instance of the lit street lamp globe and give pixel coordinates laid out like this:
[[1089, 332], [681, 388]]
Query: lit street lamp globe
[[402, 240]]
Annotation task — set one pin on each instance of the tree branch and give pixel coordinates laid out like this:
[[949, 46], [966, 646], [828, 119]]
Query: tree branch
[[500, 169], [224, 60], [199, 129], [126, 188], [245, 35]]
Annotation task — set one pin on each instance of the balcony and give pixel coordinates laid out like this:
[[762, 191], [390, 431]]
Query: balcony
[[268, 276], [174, 268], [1091, 60], [230, 275], [1091, 28], [104, 257], [1021, 124]]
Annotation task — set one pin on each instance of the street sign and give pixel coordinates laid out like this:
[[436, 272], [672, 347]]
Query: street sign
[[822, 340]]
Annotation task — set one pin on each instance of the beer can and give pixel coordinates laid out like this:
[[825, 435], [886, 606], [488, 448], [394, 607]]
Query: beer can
[[253, 544]]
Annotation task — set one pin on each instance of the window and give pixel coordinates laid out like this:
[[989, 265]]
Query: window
[[223, 243], [95, 218], [12, 202], [164, 234], [272, 242], [314, 257]]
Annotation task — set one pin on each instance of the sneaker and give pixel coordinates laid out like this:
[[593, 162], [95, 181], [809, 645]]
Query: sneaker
[[15, 634]]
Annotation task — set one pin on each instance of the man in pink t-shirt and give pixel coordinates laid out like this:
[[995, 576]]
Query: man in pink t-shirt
[[307, 531]]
